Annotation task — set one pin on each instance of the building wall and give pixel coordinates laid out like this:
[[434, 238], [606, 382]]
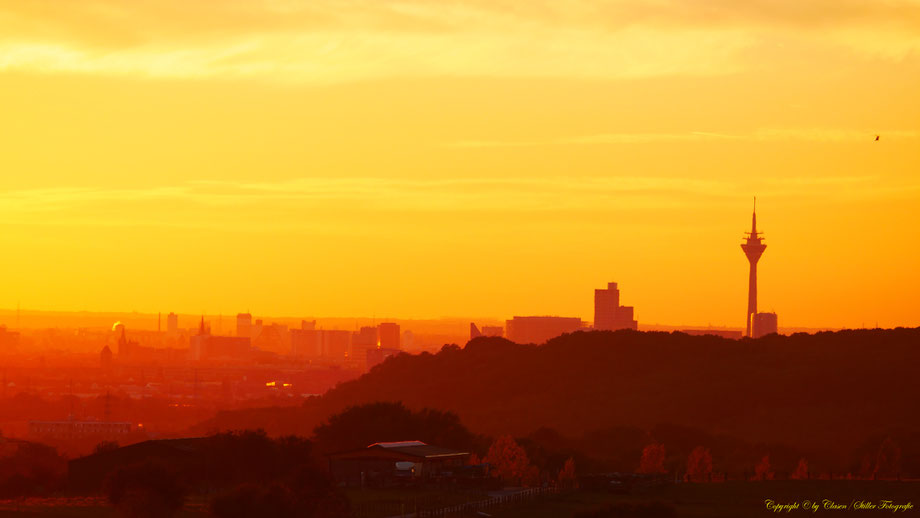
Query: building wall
[[609, 315], [537, 330], [765, 323], [244, 325], [389, 335]]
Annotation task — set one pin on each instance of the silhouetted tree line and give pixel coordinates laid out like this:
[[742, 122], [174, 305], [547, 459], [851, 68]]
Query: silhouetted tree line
[[244, 473], [30, 469], [360, 426], [825, 397], [147, 490]]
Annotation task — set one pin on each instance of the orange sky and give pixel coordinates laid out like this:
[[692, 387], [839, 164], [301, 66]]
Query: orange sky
[[462, 157]]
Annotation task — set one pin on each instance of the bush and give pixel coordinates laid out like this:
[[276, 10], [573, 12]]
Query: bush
[[144, 491], [307, 493]]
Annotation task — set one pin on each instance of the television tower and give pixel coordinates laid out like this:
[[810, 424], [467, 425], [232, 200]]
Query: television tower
[[753, 248]]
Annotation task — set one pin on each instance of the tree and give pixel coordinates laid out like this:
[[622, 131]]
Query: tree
[[31, 469], [362, 425], [699, 464], [652, 459], [888, 460], [508, 460], [801, 471], [252, 500], [308, 494], [145, 491], [567, 478], [762, 469]]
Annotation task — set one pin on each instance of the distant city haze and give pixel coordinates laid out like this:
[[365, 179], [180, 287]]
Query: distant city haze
[[415, 162]]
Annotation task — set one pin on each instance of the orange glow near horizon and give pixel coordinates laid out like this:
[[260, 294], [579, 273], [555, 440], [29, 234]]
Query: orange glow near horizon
[[426, 159]]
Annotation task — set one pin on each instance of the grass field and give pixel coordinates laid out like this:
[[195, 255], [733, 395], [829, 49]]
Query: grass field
[[379, 503], [738, 499], [81, 507], [716, 500]]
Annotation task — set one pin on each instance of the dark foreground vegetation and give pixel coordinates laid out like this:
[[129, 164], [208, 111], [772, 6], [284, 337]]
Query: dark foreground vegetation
[[833, 399], [604, 424], [725, 500], [237, 474]]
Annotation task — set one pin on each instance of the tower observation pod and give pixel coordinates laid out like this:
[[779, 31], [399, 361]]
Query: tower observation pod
[[753, 247]]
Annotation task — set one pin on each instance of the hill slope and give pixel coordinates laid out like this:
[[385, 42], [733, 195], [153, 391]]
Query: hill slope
[[830, 391]]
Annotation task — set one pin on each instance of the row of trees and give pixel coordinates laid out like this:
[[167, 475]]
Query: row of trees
[[509, 462], [885, 464]]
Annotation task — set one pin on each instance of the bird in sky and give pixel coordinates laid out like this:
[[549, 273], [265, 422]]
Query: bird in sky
[[876, 137]]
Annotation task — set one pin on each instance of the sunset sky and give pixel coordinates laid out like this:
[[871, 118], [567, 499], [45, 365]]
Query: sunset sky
[[476, 158]]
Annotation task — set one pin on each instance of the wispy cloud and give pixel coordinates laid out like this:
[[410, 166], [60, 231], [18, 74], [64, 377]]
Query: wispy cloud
[[302, 201], [328, 41], [761, 135]]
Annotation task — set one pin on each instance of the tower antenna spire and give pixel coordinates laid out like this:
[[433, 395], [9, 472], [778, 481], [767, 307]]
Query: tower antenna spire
[[753, 247], [754, 219]]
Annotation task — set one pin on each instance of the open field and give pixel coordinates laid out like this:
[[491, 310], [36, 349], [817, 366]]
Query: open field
[[380, 503], [81, 507], [716, 500], [737, 499]]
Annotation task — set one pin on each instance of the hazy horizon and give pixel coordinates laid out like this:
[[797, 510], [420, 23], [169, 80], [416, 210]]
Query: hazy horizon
[[148, 321]]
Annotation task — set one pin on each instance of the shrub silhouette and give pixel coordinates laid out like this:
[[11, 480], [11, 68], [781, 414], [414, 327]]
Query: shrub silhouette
[[145, 490]]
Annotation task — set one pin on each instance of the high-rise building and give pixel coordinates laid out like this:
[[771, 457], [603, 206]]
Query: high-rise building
[[608, 313], [753, 248], [336, 343], [172, 324], [366, 338], [474, 331], [408, 340], [332, 344], [9, 340], [205, 346], [536, 330], [764, 324], [388, 332], [244, 325], [306, 343], [362, 341]]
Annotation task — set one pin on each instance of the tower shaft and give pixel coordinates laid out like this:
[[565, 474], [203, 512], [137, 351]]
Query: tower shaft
[[753, 247], [752, 298]]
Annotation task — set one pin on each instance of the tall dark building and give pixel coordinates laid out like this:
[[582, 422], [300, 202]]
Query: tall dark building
[[244, 325], [388, 333], [753, 248], [172, 324], [609, 314], [764, 324]]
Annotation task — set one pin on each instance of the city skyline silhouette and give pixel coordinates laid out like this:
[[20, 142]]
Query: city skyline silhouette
[[446, 258]]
